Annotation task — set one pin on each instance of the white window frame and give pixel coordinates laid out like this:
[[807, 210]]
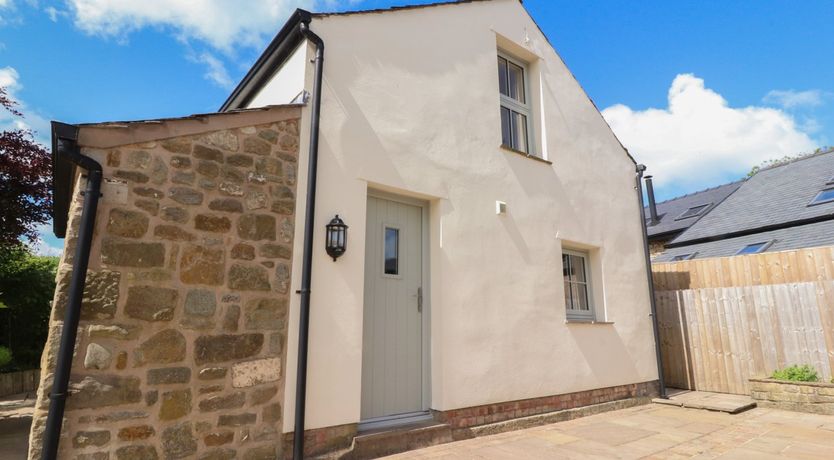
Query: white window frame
[[513, 105], [581, 315]]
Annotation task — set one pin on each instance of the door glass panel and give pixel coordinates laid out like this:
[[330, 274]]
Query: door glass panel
[[392, 251]]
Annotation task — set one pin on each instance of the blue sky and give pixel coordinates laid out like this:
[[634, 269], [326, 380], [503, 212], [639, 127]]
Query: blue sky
[[699, 91]]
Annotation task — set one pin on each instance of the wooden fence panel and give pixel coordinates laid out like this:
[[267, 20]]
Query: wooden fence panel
[[13, 383], [723, 321]]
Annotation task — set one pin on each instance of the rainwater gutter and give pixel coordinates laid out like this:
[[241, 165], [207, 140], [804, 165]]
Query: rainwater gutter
[[661, 381], [66, 157]]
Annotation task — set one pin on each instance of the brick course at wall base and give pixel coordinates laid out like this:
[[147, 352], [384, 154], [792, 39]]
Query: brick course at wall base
[[492, 413], [812, 397], [182, 339], [486, 419]]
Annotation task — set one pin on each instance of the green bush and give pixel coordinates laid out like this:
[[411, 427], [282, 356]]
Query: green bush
[[796, 373], [5, 357]]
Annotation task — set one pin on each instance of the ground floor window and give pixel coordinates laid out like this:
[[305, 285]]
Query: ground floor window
[[577, 281]]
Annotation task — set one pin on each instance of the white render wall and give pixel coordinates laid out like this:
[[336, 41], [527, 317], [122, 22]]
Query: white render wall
[[411, 105]]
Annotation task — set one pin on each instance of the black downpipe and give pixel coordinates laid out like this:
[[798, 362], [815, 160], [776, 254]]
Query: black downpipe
[[67, 147], [652, 203], [661, 380], [307, 261]]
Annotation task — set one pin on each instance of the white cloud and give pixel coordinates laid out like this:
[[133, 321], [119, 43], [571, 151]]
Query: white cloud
[[699, 139], [222, 24], [216, 71], [32, 120], [790, 99], [9, 79], [53, 13], [41, 247]]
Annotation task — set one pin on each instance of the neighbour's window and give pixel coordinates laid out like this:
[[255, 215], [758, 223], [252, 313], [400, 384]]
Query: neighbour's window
[[689, 256], [515, 104], [577, 281], [824, 196], [754, 248], [693, 211]]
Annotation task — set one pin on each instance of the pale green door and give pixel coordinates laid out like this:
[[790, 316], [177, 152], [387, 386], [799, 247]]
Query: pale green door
[[392, 351]]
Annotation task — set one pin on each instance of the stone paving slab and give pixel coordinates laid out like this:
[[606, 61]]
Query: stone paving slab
[[655, 431], [720, 402]]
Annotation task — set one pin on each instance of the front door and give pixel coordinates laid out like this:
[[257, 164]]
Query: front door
[[392, 347]]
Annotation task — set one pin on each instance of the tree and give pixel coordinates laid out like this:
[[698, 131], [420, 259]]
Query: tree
[[27, 283], [25, 181]]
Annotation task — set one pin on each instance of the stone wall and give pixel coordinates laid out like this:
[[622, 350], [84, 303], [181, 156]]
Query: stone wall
[[813, 397], [181, 345]]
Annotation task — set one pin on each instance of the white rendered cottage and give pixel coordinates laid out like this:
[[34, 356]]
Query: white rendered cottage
[[493, 266], [474, 174]]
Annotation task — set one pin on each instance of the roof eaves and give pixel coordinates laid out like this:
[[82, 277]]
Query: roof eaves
[[273, 57]]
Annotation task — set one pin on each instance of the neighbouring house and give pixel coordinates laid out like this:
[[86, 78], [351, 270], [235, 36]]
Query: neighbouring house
[[666, 220], [492, 266], [782, 207]]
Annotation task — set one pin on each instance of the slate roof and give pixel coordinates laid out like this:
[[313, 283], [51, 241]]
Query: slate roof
[[669, 210], [805, 236], [774, 196]]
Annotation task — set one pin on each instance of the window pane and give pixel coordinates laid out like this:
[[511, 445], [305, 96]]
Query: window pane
[[580, 291], [579, 268], [502, 76], [824, 196], [519, 129], [506, 130], [566, 267], [752, 248], [392, 251], [693, 211], [516, 82], [568, 296]]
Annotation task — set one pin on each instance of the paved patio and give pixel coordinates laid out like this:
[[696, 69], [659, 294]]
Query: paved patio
[[656, 432]]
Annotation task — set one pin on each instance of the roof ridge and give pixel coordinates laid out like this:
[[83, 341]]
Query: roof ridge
[[394, 8], [701, 191], [780, 163]]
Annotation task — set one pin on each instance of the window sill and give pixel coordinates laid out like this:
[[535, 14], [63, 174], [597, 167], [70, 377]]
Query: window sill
[[527, 155], [587, 321]]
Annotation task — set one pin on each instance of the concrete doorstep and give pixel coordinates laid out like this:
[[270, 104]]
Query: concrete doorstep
[[720, 402]]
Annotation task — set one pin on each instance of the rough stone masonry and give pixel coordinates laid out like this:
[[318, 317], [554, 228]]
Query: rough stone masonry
[[181, 345]]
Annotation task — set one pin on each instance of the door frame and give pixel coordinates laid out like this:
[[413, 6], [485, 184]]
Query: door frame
[[426, 318]]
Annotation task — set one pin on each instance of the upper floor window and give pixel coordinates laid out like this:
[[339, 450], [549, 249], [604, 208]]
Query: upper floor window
[[515, 104]]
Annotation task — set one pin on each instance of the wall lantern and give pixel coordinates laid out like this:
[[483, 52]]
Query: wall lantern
[[336, 238]]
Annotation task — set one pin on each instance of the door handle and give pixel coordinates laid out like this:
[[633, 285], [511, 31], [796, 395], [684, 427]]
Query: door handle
[[420, 300]]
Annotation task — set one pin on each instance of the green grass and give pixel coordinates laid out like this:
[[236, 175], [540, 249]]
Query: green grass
[[796, 373]]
